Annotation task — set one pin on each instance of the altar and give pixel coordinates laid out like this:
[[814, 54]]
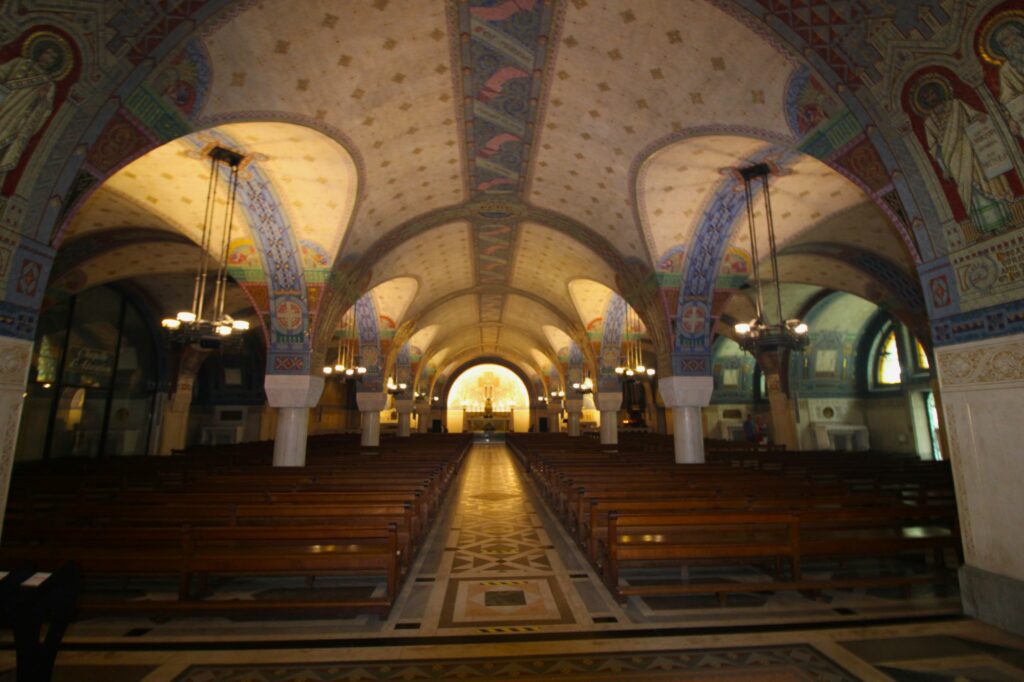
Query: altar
[[482, 421]]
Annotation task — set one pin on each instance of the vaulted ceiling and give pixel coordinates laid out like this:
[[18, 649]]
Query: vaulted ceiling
[[493, 172]]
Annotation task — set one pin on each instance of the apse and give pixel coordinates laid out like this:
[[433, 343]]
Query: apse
[[488, 394]]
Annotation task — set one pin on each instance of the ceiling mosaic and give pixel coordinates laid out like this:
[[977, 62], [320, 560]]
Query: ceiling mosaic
[[379, 72], [516, 164], [629, 75]]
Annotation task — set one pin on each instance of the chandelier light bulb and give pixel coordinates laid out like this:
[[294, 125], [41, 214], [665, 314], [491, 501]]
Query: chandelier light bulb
[[240, 325], [640, 369], [630, 372], [328, 370], [620, 370], [742, 328], [339, 368], [223, 329], [360, 370], [349, 372], [186, 316], [170, 323], [402, 386], [650, 371]]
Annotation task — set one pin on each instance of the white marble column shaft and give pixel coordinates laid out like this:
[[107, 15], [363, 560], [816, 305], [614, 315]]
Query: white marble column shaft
[[686, 396]]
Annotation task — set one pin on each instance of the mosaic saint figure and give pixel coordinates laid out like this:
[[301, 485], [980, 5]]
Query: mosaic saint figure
[[27, 87], [947, 121], [1003, 46]]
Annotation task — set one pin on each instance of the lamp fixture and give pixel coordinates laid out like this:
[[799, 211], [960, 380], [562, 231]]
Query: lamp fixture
[[583, 387], [345, 365], [396, 388], [758, 335], [191, 326], [558, 393], [633, 366]]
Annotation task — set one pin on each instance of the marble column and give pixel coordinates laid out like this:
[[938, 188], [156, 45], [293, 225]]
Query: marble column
[[370, 405], [423, 412], [982, 385], [686, 396], [574, 406], [609, 403], [404, 408], [292, 396], [554, 416], [783, 418], [15, 357], [174, 425]]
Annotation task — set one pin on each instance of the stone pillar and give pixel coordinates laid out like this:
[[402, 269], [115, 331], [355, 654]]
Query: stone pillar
[[292, 395], [783, 419], [15, 358], [404, 408], [982, 386], [174, 425], [609, 403], [574, 406], [370, 405], [686, 396], [423, 411], [554, 416]]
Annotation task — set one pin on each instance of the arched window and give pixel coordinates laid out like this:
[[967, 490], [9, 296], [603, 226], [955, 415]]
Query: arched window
[[92, 379], [887, 364], [922, 356]]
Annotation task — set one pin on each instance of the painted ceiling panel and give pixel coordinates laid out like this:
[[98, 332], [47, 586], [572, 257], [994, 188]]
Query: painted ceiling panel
[[805, 194], [541, 360], [141, 259], [381, 73], [558, 339], [422, 339], [526, 314], [313, 178], [548, 260], [676, 183], [626, 77], [439, 259], [392, 298], [591, 300]]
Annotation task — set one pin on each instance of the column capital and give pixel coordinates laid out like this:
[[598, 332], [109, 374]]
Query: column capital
[[293, 390], [574, 405], [371, 401], [679, 391], [404, 406], [608, 401]]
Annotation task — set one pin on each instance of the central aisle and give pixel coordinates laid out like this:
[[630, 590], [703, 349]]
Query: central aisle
[[496, 569]]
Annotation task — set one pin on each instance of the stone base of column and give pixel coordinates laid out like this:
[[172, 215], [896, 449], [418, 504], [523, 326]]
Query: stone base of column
[[992, 598]]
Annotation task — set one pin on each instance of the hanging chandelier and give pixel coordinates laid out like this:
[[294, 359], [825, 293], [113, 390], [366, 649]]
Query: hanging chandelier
[[192, 325], [633, 365], [345, 365], [396, 387], [583, 387], [759, 335]]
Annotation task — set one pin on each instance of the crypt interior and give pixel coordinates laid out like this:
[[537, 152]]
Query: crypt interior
[[569, 223]]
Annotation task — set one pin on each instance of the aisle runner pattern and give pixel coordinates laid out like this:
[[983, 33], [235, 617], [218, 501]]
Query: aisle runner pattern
[[796, 663], [500, 568]]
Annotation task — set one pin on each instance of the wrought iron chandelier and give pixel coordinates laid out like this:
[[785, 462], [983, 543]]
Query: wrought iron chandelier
[[191, 326], [583, 387], [396, 388], [345, 365], [758, 335], [633, 364]]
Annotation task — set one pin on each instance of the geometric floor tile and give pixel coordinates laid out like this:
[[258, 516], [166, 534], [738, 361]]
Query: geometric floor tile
[[787, 663]]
